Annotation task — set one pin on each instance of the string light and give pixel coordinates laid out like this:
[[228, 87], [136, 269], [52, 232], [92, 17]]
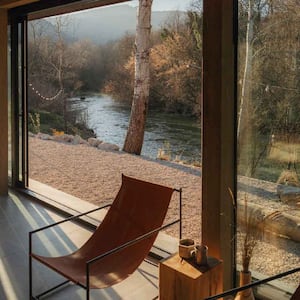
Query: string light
[[43, 97]]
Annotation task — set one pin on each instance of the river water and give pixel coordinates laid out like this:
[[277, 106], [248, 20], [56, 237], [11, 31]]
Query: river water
[[109, 120]]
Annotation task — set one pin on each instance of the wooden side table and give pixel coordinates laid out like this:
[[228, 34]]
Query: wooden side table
[[183, 279]]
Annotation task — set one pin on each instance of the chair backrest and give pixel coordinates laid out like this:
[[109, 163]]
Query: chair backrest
[[138, 208]]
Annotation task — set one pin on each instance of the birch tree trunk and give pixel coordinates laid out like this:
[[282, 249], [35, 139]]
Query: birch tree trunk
[[59, 67], [135, 133], [245, 92], [244, 128]]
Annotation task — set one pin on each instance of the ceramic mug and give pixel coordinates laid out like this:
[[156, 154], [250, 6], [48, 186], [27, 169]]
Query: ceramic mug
[[186, 247], [200, 254]]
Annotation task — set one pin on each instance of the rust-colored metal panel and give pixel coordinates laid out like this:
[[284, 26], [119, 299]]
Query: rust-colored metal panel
[[69, 7], [14, 3]]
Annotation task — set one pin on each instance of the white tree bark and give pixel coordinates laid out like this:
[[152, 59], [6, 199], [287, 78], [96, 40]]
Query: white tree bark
[[135, 133], [247, 69]]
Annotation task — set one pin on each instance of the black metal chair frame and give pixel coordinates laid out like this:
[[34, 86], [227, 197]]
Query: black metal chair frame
[[253, 284], [91, 261]]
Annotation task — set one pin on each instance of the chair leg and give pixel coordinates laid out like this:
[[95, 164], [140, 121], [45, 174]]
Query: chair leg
[[31, 297], [30, 277], [87, 274], [87, 293]]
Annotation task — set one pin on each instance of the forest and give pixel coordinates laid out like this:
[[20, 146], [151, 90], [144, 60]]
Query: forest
[[268, 79], [83, 67], [268, 119]]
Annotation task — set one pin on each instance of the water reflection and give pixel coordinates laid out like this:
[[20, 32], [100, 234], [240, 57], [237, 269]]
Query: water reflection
[[109, 120]]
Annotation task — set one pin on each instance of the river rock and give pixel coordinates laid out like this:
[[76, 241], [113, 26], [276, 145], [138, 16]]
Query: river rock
[[94, 142], [289, 194], [64, 138], [44, 136], [108, 147], [79, 140]]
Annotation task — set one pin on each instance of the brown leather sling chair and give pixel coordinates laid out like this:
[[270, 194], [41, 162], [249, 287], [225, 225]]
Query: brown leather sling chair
[[119, 244]]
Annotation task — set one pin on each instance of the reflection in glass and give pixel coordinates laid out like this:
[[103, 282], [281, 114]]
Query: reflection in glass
[[269, 138]]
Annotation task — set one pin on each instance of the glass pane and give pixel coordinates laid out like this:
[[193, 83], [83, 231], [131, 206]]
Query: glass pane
[[20, 103], [80, 89], [269, 139], [9, 114]]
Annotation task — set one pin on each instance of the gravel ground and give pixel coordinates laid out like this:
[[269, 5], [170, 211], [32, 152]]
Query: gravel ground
[[273, 254], [95, 176]]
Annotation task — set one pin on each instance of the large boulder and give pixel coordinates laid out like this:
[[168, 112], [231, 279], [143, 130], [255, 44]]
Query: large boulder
[[94, 142], [108, 147], [280, 223], [289, 194], [79, 140], [44, 136], [64, 138]]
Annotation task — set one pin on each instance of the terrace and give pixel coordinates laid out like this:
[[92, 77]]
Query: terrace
[[21, 213]]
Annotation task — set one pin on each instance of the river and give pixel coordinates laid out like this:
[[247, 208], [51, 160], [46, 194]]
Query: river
[[109, 120]]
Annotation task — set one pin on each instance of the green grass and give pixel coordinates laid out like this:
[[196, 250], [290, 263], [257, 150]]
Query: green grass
[[50, 121], [279, 157]]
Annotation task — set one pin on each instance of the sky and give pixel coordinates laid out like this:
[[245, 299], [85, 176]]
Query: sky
[[160, 5]]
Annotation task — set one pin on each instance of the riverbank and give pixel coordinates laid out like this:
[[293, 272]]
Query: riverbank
[[95, 176], [179, 134]]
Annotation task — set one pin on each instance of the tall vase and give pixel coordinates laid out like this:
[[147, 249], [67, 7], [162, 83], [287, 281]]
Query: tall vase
[[245, 278]]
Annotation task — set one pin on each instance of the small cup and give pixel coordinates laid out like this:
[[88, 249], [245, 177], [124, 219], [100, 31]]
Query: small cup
[[186, 247], [200, 254]]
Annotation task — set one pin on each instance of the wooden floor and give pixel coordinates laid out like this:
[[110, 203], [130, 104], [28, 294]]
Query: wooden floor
[[18, 216]]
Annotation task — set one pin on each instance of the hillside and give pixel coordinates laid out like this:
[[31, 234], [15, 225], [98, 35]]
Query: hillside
[[110, 23], [105, 24]]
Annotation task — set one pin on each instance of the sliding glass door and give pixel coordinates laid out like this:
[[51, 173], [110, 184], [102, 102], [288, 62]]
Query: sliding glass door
[[268, 134], [18, 102]]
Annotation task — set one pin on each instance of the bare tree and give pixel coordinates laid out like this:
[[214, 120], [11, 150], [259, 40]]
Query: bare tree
[[135, 133], [54, 67], [248, 64], [269, 78]]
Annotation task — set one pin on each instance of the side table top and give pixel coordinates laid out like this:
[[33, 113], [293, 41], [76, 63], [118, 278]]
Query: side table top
[[188, 267]]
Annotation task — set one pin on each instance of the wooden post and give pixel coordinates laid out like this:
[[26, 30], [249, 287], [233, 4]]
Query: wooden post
[[218, 132], [3, 103], [183, 279]]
